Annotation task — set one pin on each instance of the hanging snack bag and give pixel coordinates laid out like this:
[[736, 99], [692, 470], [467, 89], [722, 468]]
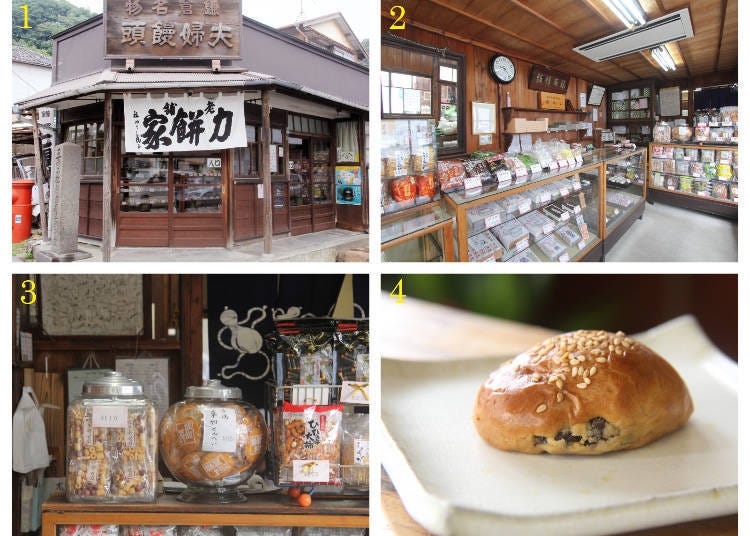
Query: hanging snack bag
[[451, 175], [310, 438], [352, 345], [307, 348], [355, 450]]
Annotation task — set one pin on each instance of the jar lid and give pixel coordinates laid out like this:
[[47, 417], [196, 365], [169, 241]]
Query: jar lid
[[213, 389], [112, 383]]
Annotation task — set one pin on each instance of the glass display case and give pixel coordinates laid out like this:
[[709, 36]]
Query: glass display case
[[423, 236], [409, 164], [144, 184], [321, 171], [547, 216], [625, 188], [197, 184], [696, 176]]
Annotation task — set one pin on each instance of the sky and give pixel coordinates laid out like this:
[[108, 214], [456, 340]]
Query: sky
[[282, 12]]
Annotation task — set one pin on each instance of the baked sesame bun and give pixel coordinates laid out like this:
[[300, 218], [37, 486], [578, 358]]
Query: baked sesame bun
[[584, 392]]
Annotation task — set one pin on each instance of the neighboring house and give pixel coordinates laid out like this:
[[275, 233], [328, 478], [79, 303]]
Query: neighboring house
[[329, 32], [32, 72]]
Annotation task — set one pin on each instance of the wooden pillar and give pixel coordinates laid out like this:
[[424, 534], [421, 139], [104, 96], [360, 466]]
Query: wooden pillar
[[107, 218], [191, 328], [38, 177], [265, 97]]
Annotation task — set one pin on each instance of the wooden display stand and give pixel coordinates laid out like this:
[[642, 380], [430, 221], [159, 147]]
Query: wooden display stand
[[273, 509]]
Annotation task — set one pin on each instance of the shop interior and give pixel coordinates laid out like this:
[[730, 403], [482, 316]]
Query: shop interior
[[190, 405], [587, 131]]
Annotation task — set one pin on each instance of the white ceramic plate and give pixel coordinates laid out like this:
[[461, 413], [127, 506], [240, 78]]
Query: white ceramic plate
[[452, 482]]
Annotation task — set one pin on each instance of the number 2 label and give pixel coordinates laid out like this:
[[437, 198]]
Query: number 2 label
[[398, 23]]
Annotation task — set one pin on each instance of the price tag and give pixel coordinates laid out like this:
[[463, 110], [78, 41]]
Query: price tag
[[564, 258], [584, 231], [579, 159], [576, 186], [562, 163], [579, 220], [727, 124], [548, 228], [92, 472], [523, 244], [564, 192], [521, 171], [577, 209], [491, 258], [670, 187], [472, 182], [703, 194], [109, 417], [714, 124], [310, 471], [565, 216], [491, 221], [503, 175], [581, 245], [735, 139], [571, 161], [547, 164], [220, 430], [536, 168], [546, 197], [355, 392], [524, 207]]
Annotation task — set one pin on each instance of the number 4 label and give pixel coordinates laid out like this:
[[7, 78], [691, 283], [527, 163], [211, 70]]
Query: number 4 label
[[398, 292]]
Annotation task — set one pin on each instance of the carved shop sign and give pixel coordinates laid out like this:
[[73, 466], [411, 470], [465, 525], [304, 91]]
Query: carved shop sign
[[172, 28], [544, 79], [195, 123]]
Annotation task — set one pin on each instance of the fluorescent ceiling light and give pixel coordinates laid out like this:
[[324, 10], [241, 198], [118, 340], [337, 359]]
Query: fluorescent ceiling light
[[663, 58], [628, 11]]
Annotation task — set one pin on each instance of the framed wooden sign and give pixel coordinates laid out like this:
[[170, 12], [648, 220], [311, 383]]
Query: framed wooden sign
[[544, 79], [140, 29]]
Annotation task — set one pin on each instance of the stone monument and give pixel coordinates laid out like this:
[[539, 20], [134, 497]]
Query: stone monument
[[63, 206]]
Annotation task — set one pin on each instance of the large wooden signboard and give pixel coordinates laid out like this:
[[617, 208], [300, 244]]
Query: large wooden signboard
[[544, 79], [172, 29]]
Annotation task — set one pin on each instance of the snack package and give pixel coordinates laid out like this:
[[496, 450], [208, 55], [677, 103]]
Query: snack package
[[708, 155], [525, 256], [671, 182], [396, 163], [686, 184], [140, 530], [657, 165], [696, 169], [669, 166], [426, 186], [710, 170], [517, 167], [88, 530], [511, 233], [451, 175], [264, 531], [734, 192], [423, 158], [621, 199], [657, 180], [668, 151], [475, 167], [310, 439], [657, 151], [678, 153], [404, 189], [724, 171], [478, 217], [725, 157], [700, 187], [569, 235], [352, 345], [691, 154], [203, 531], [537, 223], [551, 247], [307, 347], [662, 133], [484, 245], [702, 133], [682, 167], [720, 191], [355, 450]]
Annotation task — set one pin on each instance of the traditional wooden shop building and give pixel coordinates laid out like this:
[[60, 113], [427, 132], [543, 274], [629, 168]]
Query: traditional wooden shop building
[[201, 127]]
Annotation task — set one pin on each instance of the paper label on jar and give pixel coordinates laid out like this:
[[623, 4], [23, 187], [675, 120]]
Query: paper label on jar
[[109, 416], [523, 244], [311, 471], [130, 435], [355, 392], [92, 471], [564, 258], [472, 182], [87, 432], [220, 430], [361, 452], [524, 207], [491, 221], [581, 245]]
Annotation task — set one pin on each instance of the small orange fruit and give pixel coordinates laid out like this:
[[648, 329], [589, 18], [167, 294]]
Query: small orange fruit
[[304, 500]]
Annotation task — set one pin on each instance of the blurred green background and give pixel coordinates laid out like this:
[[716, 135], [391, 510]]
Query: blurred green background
[[626, 302]]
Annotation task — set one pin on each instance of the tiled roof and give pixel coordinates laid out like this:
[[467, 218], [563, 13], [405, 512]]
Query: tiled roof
[[22, 54]]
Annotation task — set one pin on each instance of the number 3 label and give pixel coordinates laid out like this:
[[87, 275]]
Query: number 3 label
[[399, 23], [29, 288]]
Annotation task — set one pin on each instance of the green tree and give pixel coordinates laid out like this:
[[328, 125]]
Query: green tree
[[46, 18]]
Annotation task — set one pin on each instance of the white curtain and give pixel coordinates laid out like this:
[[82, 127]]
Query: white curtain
[[347, 142]]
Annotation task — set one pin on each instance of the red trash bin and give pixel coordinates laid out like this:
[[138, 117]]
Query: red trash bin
[[22, 210]]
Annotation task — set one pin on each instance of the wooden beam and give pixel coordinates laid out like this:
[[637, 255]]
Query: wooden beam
[[544, 19], [265, 98], [447, 5], [721, 33], [39, 178], [107, 182], [191, 328]]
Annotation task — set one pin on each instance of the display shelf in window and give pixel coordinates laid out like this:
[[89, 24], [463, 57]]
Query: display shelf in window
[[696, 176], [423, 235], [548, 216], [408, 157], [625, 188]]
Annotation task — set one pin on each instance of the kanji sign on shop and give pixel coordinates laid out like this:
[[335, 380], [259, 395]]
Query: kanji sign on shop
[[194, 123], [172, 28]]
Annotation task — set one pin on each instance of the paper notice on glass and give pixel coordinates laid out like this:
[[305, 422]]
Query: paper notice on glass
[[590, 128], [219, 429], [27, 347], [412, 101], [153, 374], [274, 160]]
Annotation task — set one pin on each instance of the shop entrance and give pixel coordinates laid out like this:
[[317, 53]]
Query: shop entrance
[[310, 184], [172, 200]]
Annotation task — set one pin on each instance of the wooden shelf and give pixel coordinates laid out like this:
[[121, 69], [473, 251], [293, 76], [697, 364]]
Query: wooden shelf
[[539, 110]]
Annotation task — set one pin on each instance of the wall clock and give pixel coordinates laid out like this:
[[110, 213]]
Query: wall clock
[[502, 68]]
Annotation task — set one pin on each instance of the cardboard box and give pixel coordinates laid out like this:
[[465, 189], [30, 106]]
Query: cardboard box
[[551, 101], [537, 125], [517, 125]]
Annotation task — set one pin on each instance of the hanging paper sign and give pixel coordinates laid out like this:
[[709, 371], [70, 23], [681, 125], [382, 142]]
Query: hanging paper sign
[[189, 123]]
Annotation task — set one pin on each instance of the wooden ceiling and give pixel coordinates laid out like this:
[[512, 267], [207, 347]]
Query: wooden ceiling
[[545, 31]]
